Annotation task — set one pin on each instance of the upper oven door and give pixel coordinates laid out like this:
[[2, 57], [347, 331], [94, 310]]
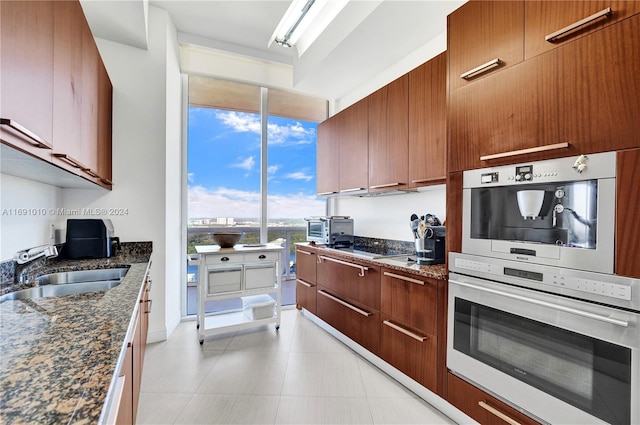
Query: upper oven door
[[562, 360], [543, 212]]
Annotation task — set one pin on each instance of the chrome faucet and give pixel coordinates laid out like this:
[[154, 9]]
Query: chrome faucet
[[23, 257]]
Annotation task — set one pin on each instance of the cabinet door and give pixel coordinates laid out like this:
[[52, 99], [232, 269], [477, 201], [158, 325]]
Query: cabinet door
[[259, 276], [90, 79], [410, 299], [328, 169], [481, 31], [515, 109], [137, 362], [27, 75], [428, 122], [105, 92], [627, 201], [358, 322], [549, 24], [409, 350], [68, 89], [353, 127], [388, 136], [350, 280], [600, 75], [125, 409], [481, 406], [306, 295]]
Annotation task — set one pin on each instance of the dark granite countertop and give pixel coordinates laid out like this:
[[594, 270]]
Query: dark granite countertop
[[59, 354], [438, 271]]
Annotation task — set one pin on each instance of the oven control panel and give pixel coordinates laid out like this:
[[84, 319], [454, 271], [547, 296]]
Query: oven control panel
[[554, 277]]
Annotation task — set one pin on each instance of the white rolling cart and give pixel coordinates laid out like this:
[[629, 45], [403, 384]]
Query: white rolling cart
[[247, 271]]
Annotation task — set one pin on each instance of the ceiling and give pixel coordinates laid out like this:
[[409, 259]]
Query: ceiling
[[367, 37]]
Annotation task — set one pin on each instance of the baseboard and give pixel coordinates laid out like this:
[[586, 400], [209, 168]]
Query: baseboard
[[430, 397]]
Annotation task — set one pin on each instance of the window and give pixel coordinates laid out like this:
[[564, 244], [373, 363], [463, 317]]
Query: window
[[226, 175]]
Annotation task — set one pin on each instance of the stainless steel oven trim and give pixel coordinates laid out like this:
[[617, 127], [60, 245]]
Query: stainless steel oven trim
[[515, 392], [599, 260]]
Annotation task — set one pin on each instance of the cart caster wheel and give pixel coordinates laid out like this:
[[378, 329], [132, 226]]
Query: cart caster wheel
[[198, 326], [277, 327], [201, 341]]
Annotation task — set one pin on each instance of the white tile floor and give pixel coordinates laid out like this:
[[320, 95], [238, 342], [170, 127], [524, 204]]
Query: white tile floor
[[298, 375]]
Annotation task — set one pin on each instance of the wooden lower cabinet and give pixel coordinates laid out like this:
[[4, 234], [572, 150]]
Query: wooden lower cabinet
[[306, 280], [480, 406], [125, 404], [357, 321], [350, 279], [410, 350]]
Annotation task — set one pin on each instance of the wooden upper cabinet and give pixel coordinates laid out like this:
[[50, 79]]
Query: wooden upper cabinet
[[549, 24], [480, 32], [25, 76], [388, 136], [105, 106], [491, 120], [627, 201], [353, 127], [90, 111], [327, 164], [68, 75], [428, 122], [599, 103]]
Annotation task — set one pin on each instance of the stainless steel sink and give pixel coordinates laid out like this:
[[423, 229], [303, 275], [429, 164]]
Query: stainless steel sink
[[82, 276], [67, 283]]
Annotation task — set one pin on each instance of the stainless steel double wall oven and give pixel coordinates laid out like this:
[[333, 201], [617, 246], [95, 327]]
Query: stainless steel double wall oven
[[536, 316]]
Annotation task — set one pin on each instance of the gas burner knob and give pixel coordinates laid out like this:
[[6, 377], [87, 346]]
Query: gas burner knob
[[518, 177], [527, 176]]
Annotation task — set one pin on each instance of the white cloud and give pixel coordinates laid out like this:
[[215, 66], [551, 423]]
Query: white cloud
[[246, 164], [223, 202], [299, 175], [272, 169], [190, 177], [292, 134]]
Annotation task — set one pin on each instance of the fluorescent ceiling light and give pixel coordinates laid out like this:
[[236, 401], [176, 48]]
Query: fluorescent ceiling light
[[304, 21]]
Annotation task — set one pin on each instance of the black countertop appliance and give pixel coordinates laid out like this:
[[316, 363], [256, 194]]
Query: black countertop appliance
[[90, 238]]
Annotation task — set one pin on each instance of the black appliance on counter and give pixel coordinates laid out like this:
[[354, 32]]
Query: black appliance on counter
[[90, 238], [431, 249]]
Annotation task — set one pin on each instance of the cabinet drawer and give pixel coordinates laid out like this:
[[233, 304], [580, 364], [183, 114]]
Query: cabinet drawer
[[358, 322], [347, 279], [306, 295], [306, 265], [259, 275], [480, 405], [410, 350], [224, 259], [410, 299], [261, 256], [227, 279]]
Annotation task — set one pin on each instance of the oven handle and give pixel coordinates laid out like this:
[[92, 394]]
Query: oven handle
[[577, 312]]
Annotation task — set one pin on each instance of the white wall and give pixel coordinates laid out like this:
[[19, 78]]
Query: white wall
[[146, 160], [25, 229], [387, 217]]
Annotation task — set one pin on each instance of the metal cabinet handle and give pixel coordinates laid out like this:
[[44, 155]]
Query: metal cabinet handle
[[408, 279], [33, 138], [106, 181], [431, 179], [525, 151], [304, 252], [408, 333], [355, 189], [70, 160], [546, 304], [303, 283], [262, 257], [380, 186], [556, 36], [91, 172], [478, 70], [224, 259], [344, 303], [497, 413], [344, 263], [150, 304], [326, 193]]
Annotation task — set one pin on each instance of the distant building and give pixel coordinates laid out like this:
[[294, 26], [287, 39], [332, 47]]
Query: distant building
[[225, 221]]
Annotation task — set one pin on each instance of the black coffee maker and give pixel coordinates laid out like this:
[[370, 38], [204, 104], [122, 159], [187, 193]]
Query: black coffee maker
[[431, 249]]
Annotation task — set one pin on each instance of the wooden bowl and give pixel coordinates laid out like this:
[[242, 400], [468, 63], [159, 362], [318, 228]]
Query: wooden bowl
[[227, 239]]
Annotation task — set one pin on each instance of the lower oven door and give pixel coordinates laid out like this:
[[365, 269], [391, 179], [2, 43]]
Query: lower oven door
[[560, 360]]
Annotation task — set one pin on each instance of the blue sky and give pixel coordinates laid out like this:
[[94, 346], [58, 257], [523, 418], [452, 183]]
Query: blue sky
[[224, 165]]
